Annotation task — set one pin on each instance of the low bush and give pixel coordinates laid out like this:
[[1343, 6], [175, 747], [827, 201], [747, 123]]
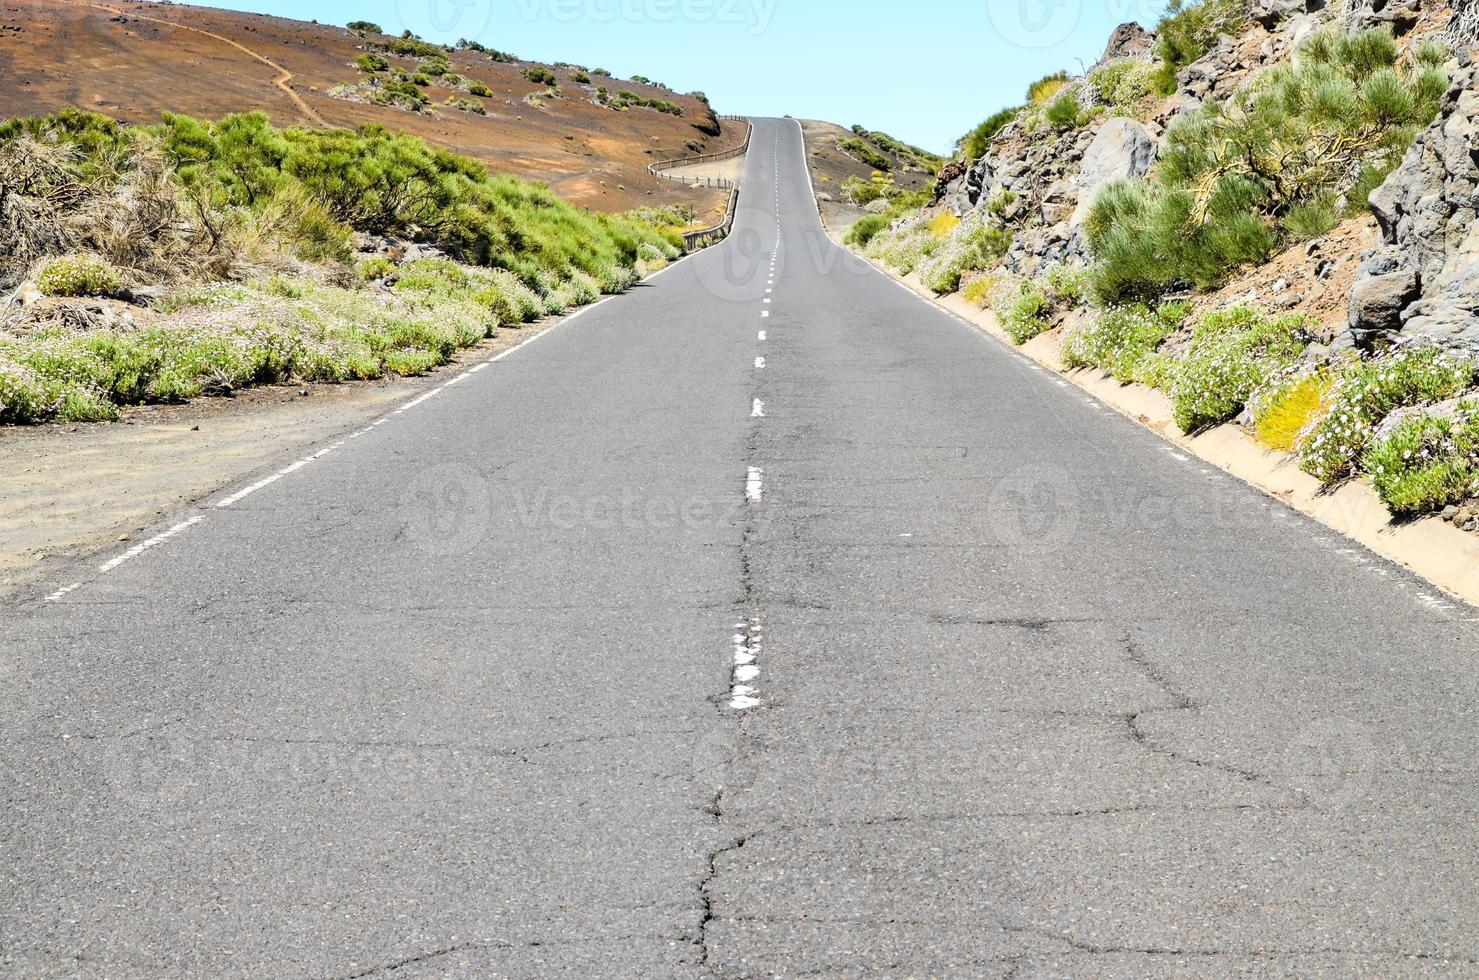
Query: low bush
[[467, 105], [977, 292], [1122, 341], [78, 275], [1067, 285], [480, 90], [1040, 91], [1123, 82], [369, 62], [1065, 112], [864, 153], [1022, 309], [540, 76], [1188, 31], [580, 78], [865, 230], [407, 47], [503, 57], [1233, 352], [1284, 406], [973, 145], [1427, 461], [969, 245], [1365, 393], [364, 27]]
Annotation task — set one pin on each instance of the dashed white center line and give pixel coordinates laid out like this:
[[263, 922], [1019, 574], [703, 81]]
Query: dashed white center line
[[755, 483], [743, 696], [762, 335], [757, 409], [760, 362], [63, 591], [765, 313]]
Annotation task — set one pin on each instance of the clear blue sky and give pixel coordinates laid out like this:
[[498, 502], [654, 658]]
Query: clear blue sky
[[925, 71]]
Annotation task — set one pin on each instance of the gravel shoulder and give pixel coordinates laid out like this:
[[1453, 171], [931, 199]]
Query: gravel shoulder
[[70, 490]]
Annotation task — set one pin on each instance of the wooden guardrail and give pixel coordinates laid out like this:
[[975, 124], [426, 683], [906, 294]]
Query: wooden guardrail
[[708, 236], [657, 169]]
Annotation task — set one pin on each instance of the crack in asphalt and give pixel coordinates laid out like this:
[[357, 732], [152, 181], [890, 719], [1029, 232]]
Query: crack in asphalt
[[1082, 947], [1181, 700], [392, 966]]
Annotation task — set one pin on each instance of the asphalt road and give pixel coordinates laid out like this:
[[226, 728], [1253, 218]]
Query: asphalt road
[[631, 654]]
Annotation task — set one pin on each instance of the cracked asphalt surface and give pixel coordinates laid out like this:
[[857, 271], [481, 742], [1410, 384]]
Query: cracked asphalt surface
[[1036, 697]]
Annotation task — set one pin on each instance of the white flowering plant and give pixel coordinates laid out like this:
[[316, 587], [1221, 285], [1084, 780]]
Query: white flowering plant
[[1122, 340], [1233, 352], [1367, 392], [1427, 461]]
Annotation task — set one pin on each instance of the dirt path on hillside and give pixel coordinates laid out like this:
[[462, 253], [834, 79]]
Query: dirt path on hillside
[[282, 80]]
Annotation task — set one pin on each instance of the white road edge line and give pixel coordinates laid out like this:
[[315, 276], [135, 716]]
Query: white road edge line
[[144, 546]]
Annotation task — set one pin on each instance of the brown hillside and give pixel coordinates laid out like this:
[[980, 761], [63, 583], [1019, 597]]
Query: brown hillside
[[133, 61]]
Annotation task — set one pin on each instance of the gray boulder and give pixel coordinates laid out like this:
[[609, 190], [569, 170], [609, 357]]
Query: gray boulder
[[1399, 15], [1270, 12], [1424, 279], [1122, 148], [1129, 40], [1377, 302]]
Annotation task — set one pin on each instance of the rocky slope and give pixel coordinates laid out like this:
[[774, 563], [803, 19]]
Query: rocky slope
[[1416, 283], [1264, 210]]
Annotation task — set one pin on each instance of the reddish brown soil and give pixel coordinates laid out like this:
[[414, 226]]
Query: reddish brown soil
[[134, 61], [1321, 295]]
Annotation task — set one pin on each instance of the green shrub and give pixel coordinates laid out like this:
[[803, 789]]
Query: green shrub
[[1067, 286], [502, 57], [861, 151], [971, 245], [1427, 461], [1040, 91], [1365, 393], [407, 47], [1064, 112], [1147, 238], [864, 231], [370, 62], [1123, 82], [1233, 352], [1022, 309], [467, 105], [973, 145], [1240, 178], [580, 78], [365, 27], [1187, 32], [78, 275], [1122, 340], [479, 89], [540, 76]]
